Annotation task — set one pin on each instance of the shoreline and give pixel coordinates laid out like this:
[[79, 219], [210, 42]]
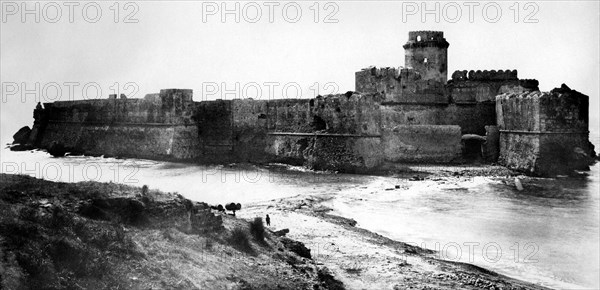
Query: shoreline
[[363, 259], [387, 169], [400, 170], [162, 251]]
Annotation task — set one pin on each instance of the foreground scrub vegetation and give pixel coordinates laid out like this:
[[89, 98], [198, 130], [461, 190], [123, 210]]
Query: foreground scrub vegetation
[[108, 236]]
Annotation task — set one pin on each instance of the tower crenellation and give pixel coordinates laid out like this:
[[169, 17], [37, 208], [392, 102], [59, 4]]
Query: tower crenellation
[[425, 36]]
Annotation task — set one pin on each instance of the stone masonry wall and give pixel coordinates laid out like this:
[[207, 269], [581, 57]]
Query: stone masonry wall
[[472, 118], [427, 53], [139, 141], [159, 126], [377, 80], [250, 130], [422, 143], [335, 132], [400, 86], [544, 133], [349, 132], [519, 149], [291, 115], [214, 121]]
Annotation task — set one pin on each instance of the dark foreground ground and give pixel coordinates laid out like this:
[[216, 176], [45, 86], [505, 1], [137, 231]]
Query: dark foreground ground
[[108, 236]]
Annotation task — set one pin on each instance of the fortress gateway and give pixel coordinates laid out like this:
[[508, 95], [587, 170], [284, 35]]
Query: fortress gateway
[[407, 115]]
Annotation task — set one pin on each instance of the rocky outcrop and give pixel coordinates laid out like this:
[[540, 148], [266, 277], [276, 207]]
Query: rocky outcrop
[[297, 247], [22, 135], [57, 149], [281, 233], [179, 213]]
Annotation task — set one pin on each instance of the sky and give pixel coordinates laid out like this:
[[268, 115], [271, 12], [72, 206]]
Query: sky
[[275, 49]]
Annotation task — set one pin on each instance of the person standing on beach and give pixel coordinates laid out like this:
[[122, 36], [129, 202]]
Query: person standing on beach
[[268, 219]]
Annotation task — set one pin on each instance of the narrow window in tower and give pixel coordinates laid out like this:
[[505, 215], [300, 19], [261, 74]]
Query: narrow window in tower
[[418, 38]]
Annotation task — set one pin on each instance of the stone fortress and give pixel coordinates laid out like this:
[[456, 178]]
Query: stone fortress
[[394, 116]]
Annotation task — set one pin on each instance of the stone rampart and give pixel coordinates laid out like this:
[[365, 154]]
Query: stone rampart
[[156, 127], [422, 143], [544, 133], [472, 119]]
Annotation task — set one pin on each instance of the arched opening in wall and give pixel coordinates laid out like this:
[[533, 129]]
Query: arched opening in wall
[[472, 147], [425, 60], [418, 38]]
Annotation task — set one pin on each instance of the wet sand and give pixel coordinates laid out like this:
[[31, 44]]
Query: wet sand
[[365, 260]]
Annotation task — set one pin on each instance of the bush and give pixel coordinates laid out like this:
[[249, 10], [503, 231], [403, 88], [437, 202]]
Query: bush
[[145, 190], [257, 229], [239, 240], [59, 219], [233, 207], [28, 214]]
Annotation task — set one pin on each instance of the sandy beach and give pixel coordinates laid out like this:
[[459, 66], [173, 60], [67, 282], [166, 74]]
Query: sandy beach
[[365, 260]]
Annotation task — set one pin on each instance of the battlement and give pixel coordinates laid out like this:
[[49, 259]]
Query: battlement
[[170, 106], [493, 75], [182, 95], [409, 74], [425, 35], [351, 98], [390, 73], [560, 110], [529, 84], [426, 39], [380, 72]]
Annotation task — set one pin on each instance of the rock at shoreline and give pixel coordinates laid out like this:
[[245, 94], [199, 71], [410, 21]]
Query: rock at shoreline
[[22, 136], [416, 178], [21, 147], [328, 281], [57, 149], [518, 184], [297, 247], [281, 233]]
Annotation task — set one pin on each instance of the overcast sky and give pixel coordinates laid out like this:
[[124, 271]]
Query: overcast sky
[[182, 45]]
